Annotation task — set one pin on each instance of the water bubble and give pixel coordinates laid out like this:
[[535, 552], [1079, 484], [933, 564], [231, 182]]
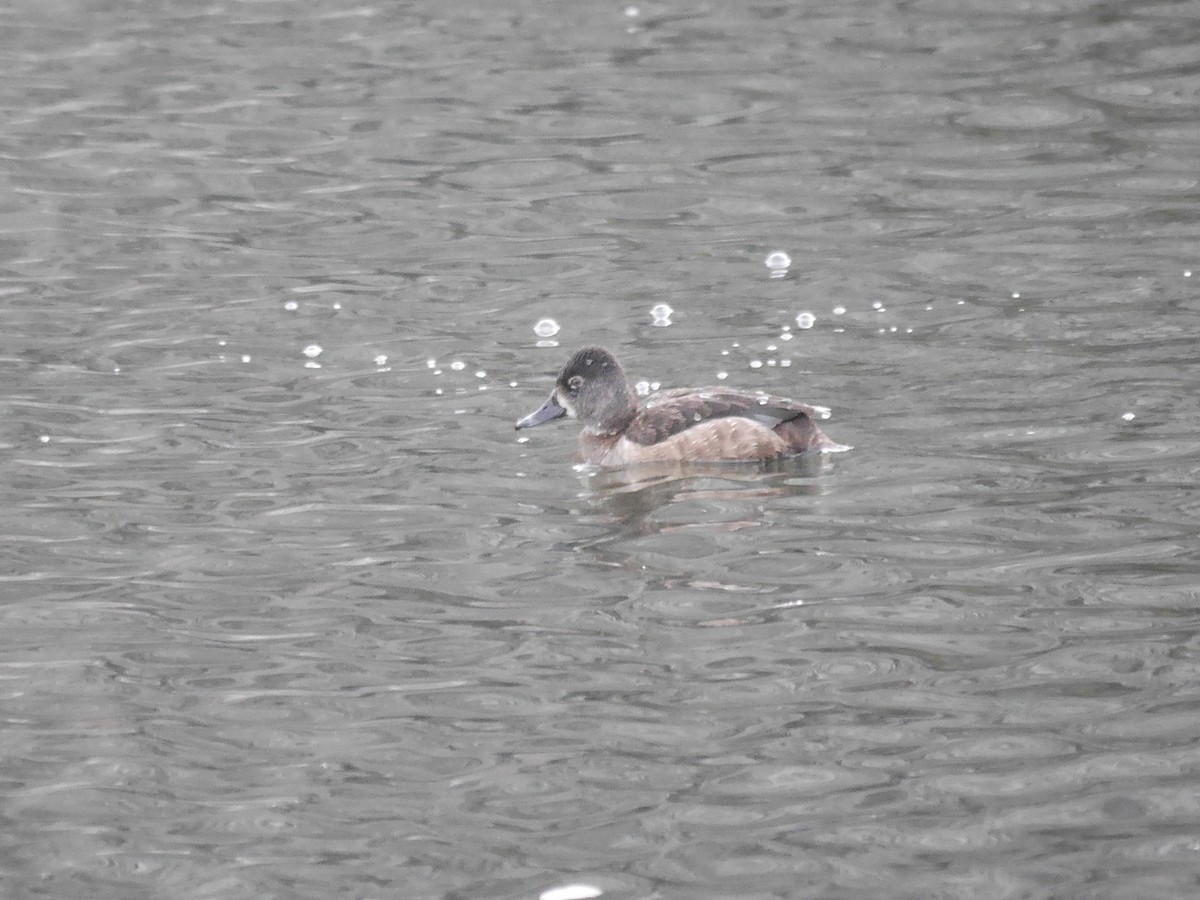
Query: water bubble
[[771, 348], [654, 385], [291, 306], [337, 305], [785, 362], [778, 262], [770, 363], [571, 892], [380, 359], [481, 374], [721, 376], [961, 302], [662, 314], [805, 320], [756, 363], [642, 388], [431, 363], [1128, 417], [312, 351], [44, 438], [245, 357], [786, 336], [458, 365], [1187, 273], [839, 310], [545, 328], [312, 364], [878, 304], [438, 391], [724, 352], [632, 12], [1016, 296]]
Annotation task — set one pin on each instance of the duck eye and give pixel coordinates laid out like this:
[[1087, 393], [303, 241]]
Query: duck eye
[[575, 382]]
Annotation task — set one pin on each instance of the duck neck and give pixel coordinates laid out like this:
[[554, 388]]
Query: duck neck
[[622, 413]]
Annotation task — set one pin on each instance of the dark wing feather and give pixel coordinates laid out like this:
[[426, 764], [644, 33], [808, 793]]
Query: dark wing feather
[[669, 412]]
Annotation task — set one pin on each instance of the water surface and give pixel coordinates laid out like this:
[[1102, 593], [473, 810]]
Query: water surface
[[289, 624]]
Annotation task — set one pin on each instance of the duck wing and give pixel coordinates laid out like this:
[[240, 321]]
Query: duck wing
[[669, 412]]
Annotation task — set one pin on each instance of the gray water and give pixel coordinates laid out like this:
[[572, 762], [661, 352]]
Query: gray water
[[277, 625]]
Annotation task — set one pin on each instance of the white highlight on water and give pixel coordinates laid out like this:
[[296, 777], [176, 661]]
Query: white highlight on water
[[571, 892]]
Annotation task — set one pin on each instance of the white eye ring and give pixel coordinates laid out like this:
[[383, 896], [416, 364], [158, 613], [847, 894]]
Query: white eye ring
[[575, 382]]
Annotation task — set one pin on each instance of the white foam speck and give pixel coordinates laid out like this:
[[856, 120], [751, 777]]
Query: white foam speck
[[291, 306], [1128, 417], [571, 892], [312, 351], [458, 365], [805, 320], [545, 328]]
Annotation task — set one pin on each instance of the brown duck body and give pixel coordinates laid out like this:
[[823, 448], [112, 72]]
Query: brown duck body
[[709, 424]]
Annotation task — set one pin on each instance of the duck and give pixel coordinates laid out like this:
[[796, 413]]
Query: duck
[[704, 425]]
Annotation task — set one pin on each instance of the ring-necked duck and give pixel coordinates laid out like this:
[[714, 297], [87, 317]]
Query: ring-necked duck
[[683, 425]]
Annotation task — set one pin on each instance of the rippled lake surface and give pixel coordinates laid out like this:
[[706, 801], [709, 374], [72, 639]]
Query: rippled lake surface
[[288, 610]]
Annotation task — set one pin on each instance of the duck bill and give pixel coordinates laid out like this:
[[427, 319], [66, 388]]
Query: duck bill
[[547, 412]]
